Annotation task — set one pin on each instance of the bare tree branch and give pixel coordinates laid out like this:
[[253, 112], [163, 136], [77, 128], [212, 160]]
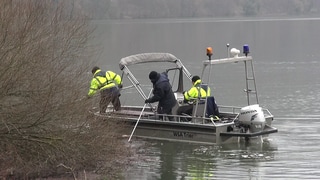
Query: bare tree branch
[[44, 56]]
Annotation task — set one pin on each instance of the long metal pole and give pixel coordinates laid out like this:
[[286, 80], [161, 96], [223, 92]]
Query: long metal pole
[[247, 83], [206, 100], [139, 117]]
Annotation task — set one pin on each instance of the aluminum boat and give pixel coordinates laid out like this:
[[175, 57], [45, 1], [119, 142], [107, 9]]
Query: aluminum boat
[[234, 123]]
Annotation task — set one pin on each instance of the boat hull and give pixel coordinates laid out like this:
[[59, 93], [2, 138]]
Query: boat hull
[[190, 132]]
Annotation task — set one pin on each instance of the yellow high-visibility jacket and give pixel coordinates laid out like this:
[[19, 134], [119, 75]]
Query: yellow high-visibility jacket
[[103, 80], [195, 90]]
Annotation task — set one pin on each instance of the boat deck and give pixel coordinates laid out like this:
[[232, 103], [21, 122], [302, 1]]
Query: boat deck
[[148, 115], [133, 113]]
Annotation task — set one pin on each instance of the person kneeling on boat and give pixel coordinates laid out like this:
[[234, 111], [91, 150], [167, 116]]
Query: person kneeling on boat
[[162, 92], [108, 83]]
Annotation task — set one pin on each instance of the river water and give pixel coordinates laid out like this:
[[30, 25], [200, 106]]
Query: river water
[[286, 53]]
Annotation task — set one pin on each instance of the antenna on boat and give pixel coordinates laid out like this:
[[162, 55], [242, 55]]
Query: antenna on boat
[[246, 49], [228, 45], [209, 52]]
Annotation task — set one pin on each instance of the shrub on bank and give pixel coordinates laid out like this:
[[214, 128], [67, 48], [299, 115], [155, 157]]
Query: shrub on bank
[[45, 126]]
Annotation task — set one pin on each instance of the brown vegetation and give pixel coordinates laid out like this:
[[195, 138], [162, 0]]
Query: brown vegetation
[[45, 127]]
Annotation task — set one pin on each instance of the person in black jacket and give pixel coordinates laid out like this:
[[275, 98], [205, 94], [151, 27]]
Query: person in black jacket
[[162, 92]]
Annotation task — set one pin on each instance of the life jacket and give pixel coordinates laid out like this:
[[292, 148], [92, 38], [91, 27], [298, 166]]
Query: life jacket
[[103, 80], [197, 91]]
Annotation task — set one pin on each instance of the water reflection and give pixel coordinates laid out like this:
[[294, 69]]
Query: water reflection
[[172, 160], [250, 151]]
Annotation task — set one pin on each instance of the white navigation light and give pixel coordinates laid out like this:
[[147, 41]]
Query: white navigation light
[[234, 52]]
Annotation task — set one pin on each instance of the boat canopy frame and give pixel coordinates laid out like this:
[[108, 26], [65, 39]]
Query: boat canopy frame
[[169, 58], [151, 58]]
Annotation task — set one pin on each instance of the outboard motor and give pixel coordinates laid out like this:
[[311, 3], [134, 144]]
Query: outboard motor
[[252, 118]]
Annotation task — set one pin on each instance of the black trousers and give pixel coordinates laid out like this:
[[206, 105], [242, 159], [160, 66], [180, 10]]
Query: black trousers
[[165, 110], [110, 95], [185, 109]]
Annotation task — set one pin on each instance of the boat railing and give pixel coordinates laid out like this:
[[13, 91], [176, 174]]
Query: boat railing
[[236, 110], [188, 119], [266, 112], [229, 109], [231, 112]]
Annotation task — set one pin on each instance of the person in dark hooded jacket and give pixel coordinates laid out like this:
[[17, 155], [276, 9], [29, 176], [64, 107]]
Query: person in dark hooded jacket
[[162, 92]]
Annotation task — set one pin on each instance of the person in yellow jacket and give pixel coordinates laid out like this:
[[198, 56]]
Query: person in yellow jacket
[[197, 90], [108, 83], [190, 97]]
